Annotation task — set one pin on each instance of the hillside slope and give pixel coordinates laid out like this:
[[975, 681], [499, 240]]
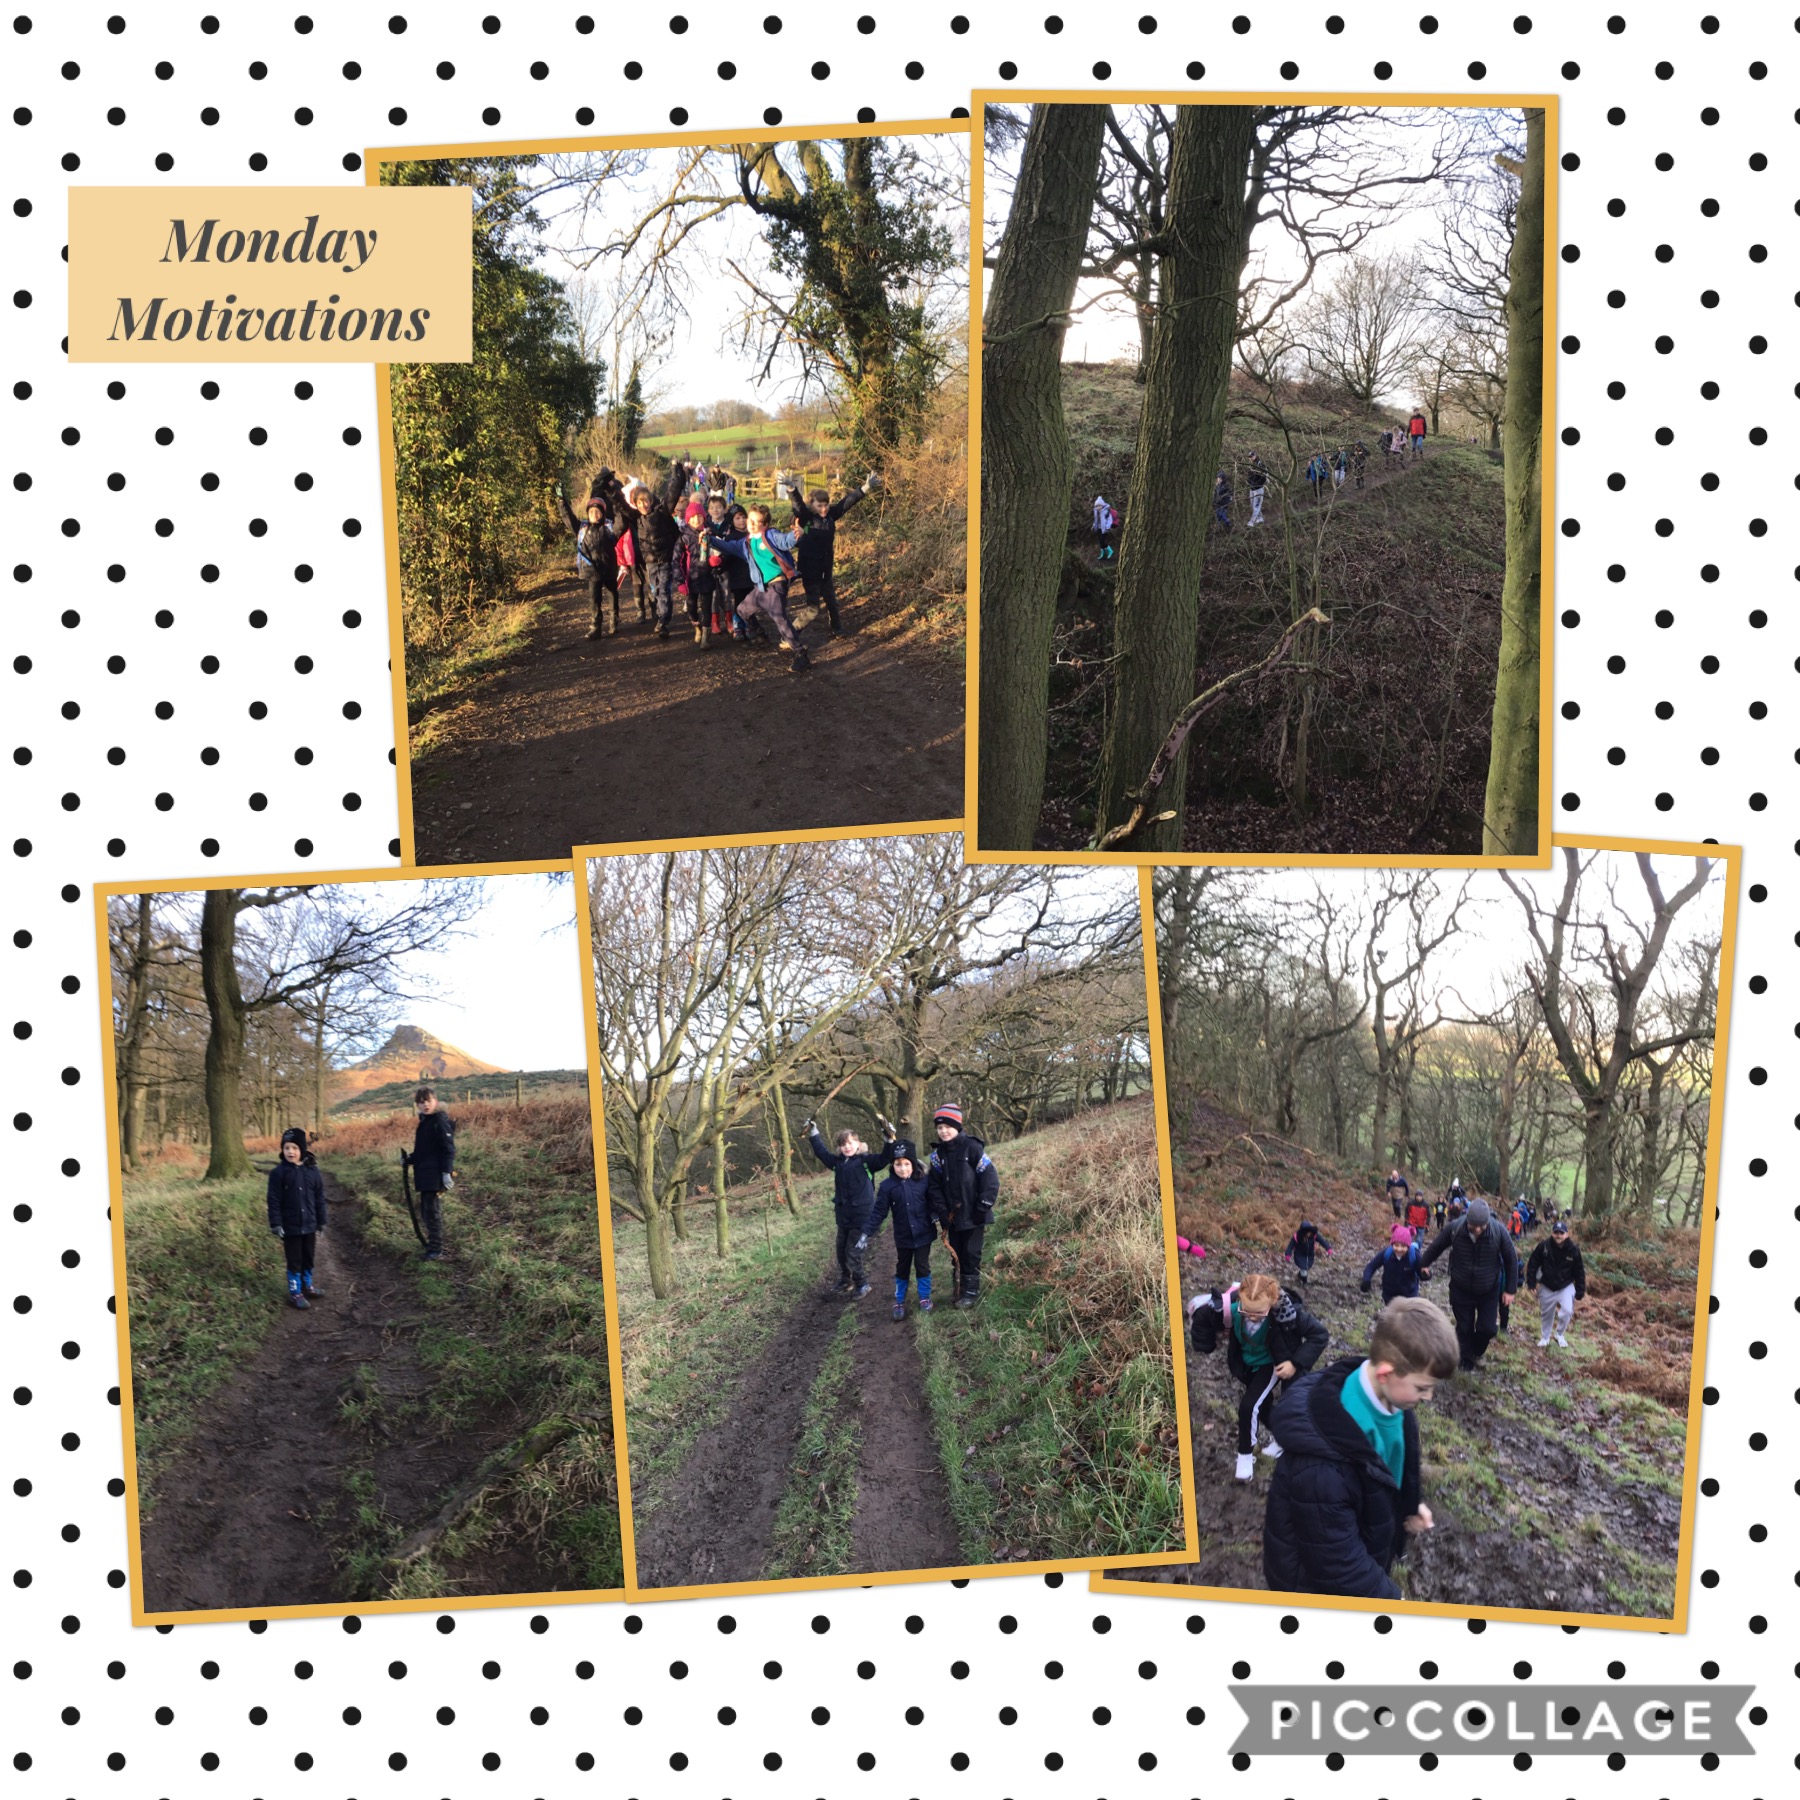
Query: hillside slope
[[1409, 568], [1555, 1476], [413, 1054]]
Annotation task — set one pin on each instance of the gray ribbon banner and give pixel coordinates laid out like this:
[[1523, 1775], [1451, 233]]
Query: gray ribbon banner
[[1639, 1720]]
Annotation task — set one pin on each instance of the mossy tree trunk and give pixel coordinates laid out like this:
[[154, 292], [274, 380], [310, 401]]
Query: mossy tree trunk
[[1027, 465], [225, 1011], [1163, 545], [1510, 816]]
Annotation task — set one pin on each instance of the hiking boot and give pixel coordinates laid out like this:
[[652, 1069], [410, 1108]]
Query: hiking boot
[[306, 1285], [899, 1311], [925, 1304], [964, 1301], [1246, 1466], [595, 633], [800, 662], [432, 1256], [1271, 1449], [297, 1300], [662, 633], [859, 1293]]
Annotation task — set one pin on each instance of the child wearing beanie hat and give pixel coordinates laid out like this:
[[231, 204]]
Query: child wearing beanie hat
[[297, 1212], [965, 1187]]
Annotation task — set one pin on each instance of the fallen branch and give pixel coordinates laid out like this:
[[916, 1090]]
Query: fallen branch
[[1190, 716]]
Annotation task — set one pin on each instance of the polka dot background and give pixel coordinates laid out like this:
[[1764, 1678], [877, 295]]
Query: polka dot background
[[198, 685]]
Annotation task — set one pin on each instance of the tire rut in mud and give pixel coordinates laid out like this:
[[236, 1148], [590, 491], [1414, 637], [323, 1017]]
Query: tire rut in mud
[[716, 1519], [254, 1509], [903, 1518]]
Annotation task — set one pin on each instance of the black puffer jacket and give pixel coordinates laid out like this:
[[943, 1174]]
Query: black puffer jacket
[[910, 1203], [434, 1151], [1477, 1264], [1294, 1334], [853, 1186], [297, 1197], [965, 1185], [1334, 1522], [1557, 1266]]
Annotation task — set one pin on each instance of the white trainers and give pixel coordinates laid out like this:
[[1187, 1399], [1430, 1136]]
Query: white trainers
[[1246, 1466], [1271, 1449], [1543, 1343], [1562, 1340]]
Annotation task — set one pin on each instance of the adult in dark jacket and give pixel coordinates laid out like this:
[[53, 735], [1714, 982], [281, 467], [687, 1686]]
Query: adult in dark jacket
[[1398, 1265], [433, 1160], [852, 1199], [1558, 1277], [906, 1196], [1270, 1338], [1483, 1269], [596, 559], [816, 519], [297, 1212], [965, 1187], [1398, 1190]]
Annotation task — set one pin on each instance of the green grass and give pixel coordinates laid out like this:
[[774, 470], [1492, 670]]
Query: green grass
[[684, 1356], [813, 1523], [743, 440], [1053, 1400], [519, 1325], [396, 1097], [204, 1285], [442, 675]]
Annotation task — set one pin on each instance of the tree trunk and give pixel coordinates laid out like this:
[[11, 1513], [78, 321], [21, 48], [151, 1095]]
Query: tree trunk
[[1027, 465], [721, 1204], [1162, 549], [1650, 1160], [656, 1222], [1183, 884], [225, 1035], [1597, 1157], [1510, 820], [131, 1044]]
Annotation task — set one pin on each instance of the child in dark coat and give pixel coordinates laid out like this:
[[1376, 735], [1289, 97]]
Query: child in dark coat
[[965, 1189], [1346, 1495], [1270, 1338], [906, 1194], [816, 520], [853, 1200], [596, 558], [1304, 1246], [433, 1160], [1398, 1263], [297, 1212]]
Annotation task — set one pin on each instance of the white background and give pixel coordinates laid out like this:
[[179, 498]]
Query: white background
[[65, 1532]]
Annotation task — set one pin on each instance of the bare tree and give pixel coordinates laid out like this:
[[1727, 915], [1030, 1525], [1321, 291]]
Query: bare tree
[[1363, 330]]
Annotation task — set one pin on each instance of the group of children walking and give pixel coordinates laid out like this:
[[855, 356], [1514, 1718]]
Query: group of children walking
[[949, 1197], [1346, 1493], [730, 565]]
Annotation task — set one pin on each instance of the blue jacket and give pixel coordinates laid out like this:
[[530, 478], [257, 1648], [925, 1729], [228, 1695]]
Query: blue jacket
[[1399, 1272], [853, 1190], [297, 1198], [910, 1203], [1334, 1519]]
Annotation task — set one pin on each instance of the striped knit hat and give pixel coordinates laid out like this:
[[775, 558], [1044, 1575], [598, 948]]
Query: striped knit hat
[[946, 1114]]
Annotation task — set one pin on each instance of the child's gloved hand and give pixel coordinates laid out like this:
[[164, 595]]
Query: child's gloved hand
[[873, 482], [862, 1243], [449, 1183], [811, 1127]]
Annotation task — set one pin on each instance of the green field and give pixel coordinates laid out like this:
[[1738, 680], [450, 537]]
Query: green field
[[397, 1096], [762, 440]]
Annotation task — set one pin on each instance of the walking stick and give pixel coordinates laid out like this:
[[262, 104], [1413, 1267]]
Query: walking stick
[[412, 1212]]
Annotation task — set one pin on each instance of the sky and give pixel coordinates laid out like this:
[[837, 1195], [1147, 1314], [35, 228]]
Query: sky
[[1105, 328], [704, 362], [1480, 962], [509, 988]]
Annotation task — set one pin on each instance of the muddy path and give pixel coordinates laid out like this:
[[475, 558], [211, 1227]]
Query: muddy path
[[902, 1498], [716, 1519], [256, 1508], [576, 742], [1546, 1490]]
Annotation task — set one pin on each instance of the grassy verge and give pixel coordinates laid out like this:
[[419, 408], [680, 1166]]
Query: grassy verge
[[813, 1523], [516, 1323], [441, 675], [1054, 1400], [683, 1356], [204, 1283]]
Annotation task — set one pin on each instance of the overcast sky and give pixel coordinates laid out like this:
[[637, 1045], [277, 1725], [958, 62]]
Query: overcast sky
[[705, 361], [1482, 961], [1106, 330], [509, 988]]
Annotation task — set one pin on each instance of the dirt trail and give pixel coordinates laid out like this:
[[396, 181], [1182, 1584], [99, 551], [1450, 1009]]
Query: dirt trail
[[254, 1504], [717, 1517], [1557, 1520], [577, 742], [902, 1498]]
